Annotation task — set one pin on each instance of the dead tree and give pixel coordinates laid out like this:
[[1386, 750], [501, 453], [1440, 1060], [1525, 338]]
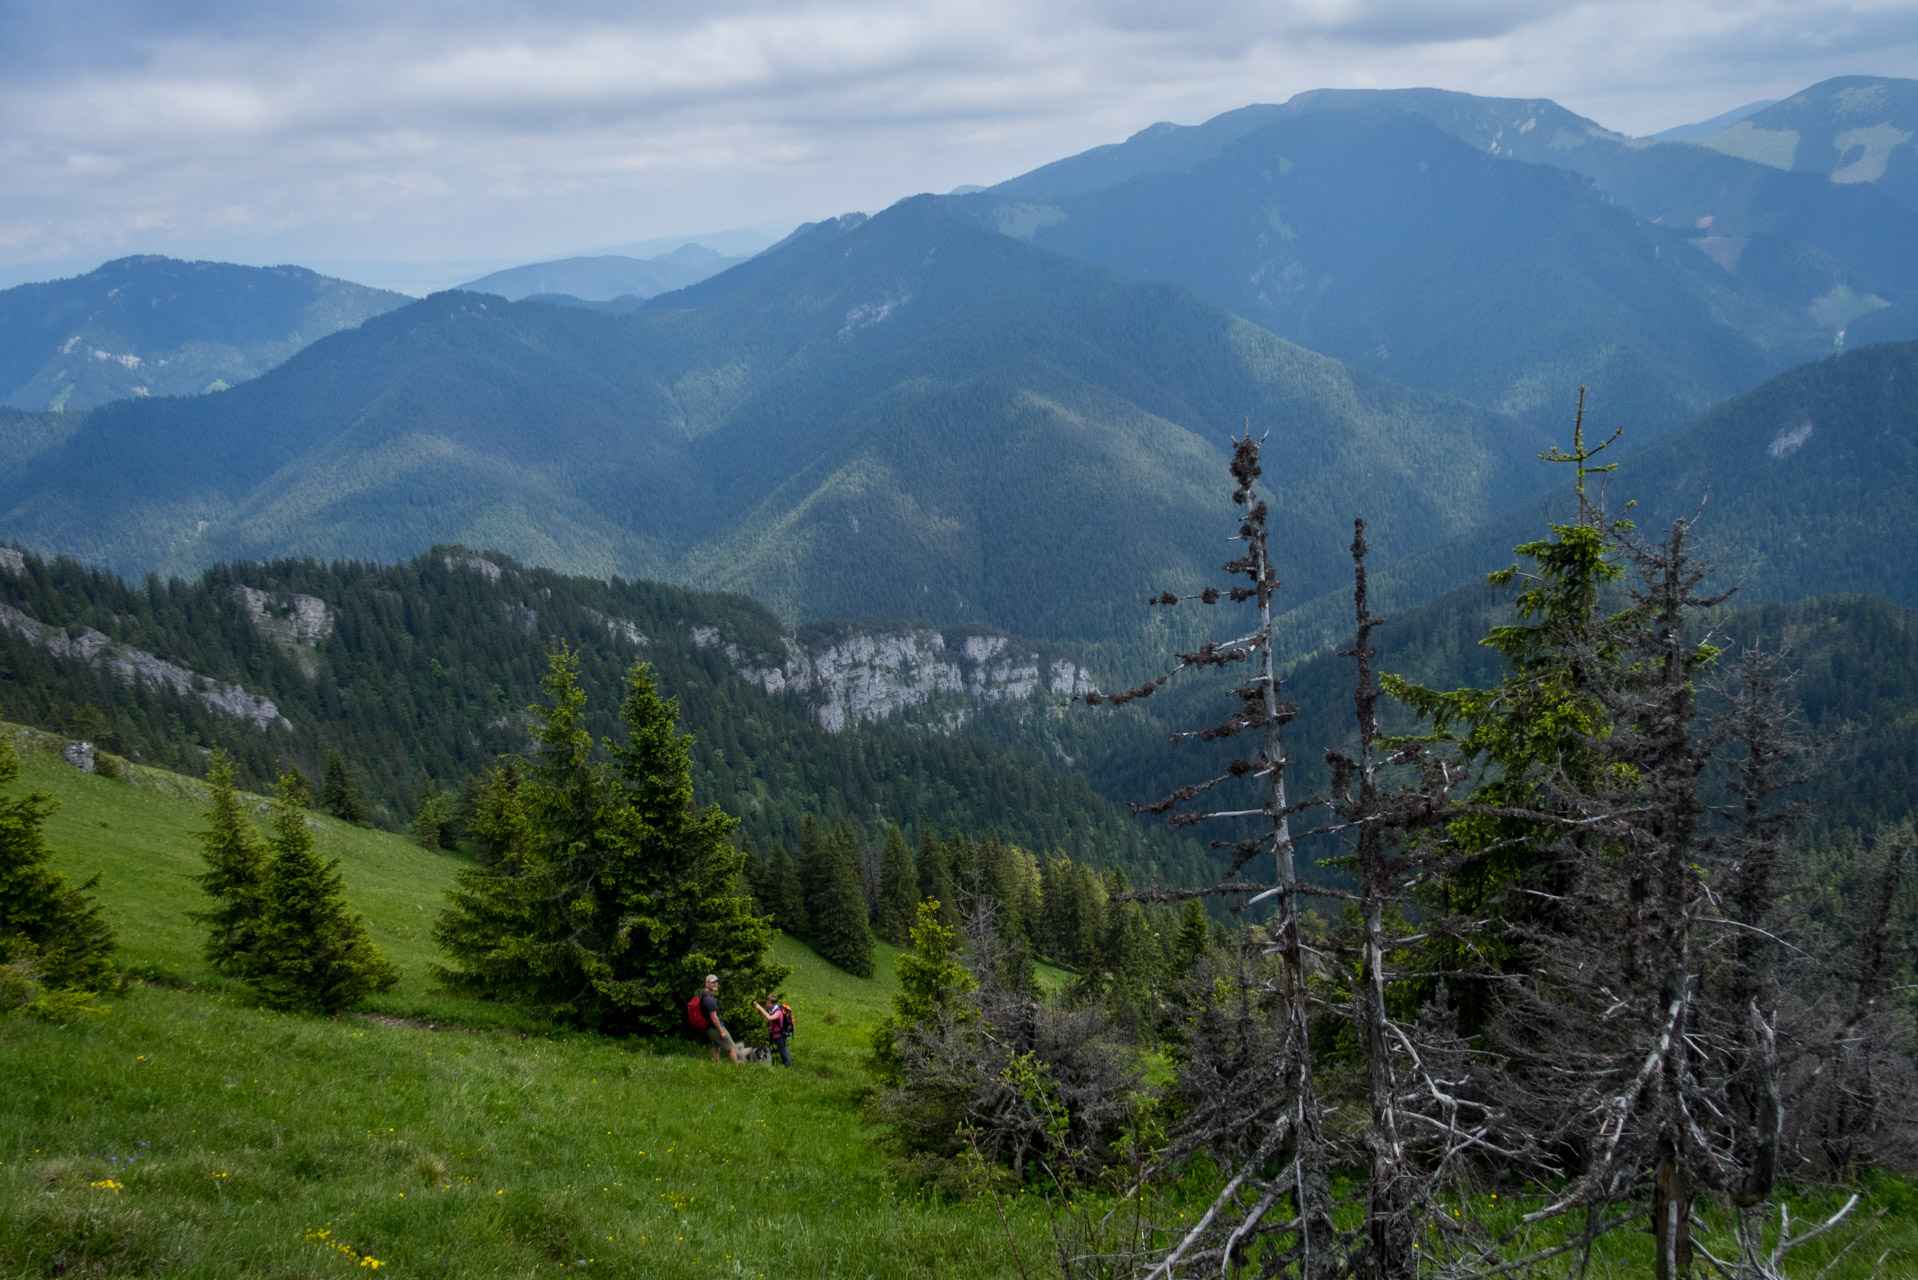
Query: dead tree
[[1277, 1201]]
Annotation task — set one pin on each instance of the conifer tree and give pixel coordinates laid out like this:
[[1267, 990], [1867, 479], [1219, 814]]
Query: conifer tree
[[235, 875], [814, 868], [52, 936], [496, 819], [625, 895], [338, 794], [931, 984], [787, 897], [898, 890], [840, 931], [935, 878], [312, 955], [677, 878]]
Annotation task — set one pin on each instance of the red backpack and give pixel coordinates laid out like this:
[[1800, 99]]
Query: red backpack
[[695, 1014]]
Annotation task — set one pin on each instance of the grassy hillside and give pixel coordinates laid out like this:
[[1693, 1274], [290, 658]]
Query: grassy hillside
[[188, 1133], [487, 1147]]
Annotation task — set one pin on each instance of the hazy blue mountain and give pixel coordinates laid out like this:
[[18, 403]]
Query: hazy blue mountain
[[603, 279], [1381, 239], [1706, 128], [1805, 485], [152, 326], [1805, 263], [906, 416], [1851, 129]]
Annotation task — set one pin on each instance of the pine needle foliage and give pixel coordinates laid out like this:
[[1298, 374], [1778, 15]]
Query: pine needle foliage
[[898, 889], [52, 935], [311, 955], [235, 875], [339, 794], [841, 931], [613, 895]]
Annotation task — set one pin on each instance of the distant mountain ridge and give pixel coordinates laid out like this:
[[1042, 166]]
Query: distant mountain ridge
[[605, 278], [906, 417], [154, 326]]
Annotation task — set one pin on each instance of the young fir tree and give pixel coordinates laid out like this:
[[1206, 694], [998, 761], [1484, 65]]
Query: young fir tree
[[311, 956], [496, 818], [625, 895], [680, 912], [235, 875], [840, 931], [898, 890], [338, 794], [52, 937], [931, 983]]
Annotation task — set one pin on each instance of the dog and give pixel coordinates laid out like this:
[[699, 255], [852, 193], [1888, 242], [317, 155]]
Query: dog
[[759, 1054]]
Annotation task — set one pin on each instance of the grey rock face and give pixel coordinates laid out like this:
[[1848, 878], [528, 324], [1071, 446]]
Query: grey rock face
[[79, 755], [137, 666], [485, 568], [12, 562], [871, 676], [290, 619]]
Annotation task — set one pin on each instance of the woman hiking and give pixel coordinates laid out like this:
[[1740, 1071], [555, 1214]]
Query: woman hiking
[[779, 1025]]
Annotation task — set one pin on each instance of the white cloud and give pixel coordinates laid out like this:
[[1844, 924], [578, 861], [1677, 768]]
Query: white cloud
[[353, 129]]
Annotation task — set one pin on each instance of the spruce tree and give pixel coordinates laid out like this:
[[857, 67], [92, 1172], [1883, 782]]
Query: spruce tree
[[935, 878], [788, 903], [338, 794], [312, 956], [840, 930], [235, 875], [814, 868], [625, 895], [496, 818], [52, 936], [898, 890], [932, 984]]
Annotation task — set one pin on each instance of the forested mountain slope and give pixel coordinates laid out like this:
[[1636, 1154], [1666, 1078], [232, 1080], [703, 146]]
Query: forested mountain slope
[[153, 326], [1804, 485], [907, 416], [1375, 236], [1816, 257], [419, 674]]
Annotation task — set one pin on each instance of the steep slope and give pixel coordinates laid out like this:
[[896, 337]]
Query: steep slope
[[604, 278], [1851, 130], [1817, 263], [420, 673], [1803, 486], [1373, 236], [904, 417], [153, 326]]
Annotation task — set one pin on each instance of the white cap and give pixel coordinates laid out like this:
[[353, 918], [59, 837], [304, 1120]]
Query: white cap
[[712, 977]]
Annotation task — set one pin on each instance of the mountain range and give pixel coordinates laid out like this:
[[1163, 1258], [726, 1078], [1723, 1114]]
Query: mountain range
[[152, 326], [606, 277], [905, 416]]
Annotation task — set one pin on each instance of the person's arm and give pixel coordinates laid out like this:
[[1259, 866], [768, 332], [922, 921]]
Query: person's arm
[[762, 1011]]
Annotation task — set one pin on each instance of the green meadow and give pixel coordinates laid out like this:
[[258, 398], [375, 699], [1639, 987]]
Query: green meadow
[[188, 1133]]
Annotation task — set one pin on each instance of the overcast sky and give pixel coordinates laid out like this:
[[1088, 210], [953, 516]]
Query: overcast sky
[[418, 131]]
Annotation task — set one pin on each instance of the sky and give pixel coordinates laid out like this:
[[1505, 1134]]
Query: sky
[[496, 131]]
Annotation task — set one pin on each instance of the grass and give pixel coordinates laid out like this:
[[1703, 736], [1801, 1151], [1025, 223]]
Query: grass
[[188, 1133]]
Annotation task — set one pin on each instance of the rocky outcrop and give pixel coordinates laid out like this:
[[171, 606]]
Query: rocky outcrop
[[137, 666], [864, 676], [478, 564], [289, 619], [12, 561], [619, 628]]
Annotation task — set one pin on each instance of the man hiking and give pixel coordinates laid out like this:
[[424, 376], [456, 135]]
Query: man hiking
[[779, 1025], [703, 1012]]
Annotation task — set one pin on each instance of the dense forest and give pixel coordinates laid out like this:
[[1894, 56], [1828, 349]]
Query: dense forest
[[422, 678]]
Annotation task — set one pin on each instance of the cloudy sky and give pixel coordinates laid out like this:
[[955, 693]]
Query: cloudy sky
[[327, 131]]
